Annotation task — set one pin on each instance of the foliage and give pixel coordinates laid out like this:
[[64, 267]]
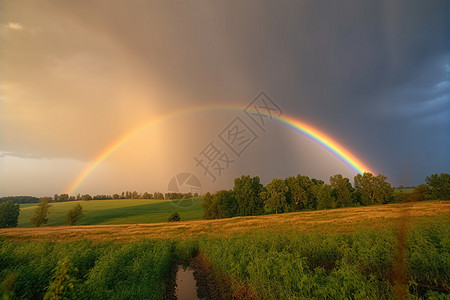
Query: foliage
[[84, 270], [342, 190], [9, 214], [247, 193], [20, 199], [174, 217], [40, 214], [439, 185], [420, 193], [74, 215], [373, 189], [219, 205], [324, 196], [276, 196]]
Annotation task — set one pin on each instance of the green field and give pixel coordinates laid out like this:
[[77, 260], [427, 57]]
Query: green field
[[395, 251], [124, 211]]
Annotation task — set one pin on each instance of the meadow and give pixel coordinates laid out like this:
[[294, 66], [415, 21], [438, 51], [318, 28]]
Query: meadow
[[377, 252], [124, 211]]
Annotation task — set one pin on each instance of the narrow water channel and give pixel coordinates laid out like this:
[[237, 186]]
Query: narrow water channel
[[186, 288]]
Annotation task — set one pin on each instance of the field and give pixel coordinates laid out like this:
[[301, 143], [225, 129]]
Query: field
[[377, 252], [124, 211]]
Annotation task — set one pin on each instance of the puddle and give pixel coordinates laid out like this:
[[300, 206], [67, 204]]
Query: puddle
[[186, 288]]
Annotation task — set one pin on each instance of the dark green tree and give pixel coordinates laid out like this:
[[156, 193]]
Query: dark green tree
[[324, 196], [40, 214], [74, 215], [275, 196], [373, 189], [9, 214], [247, 192], [342, 190], [86, 197], [439, 185]]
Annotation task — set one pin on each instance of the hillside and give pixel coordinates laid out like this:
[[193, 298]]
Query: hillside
[[336, 220]]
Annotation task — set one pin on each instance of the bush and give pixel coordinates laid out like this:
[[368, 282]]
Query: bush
[[174, 217]]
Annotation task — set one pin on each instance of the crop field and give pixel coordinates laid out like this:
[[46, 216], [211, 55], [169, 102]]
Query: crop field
[[124, 211], [377, 252]]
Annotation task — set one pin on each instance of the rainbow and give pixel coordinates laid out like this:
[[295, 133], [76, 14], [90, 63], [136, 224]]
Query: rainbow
[[313, 133]]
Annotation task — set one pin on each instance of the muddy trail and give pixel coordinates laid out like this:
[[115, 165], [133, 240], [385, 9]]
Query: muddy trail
[[195, 279]]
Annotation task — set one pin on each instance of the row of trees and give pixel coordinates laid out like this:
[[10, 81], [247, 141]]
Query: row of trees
[[250, 197], [123, 195]]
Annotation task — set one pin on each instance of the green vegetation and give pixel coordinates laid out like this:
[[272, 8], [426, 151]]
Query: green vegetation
[[175, 217], [40, 213], [288, 265], [74, 215], [334, 265], [249, 197], [130, 211], [9, 214], [84, 270]]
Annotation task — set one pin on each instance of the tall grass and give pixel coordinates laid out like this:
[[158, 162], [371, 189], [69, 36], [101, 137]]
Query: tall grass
[[85, 270]]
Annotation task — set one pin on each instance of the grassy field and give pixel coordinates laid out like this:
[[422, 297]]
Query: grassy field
[[124, 211], [376, 252]]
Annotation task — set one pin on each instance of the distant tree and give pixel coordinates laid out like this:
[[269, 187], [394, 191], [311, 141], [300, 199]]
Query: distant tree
[[9, 214], [297, 196], [219, 205], [40, 214], [247, 191], [175, 217], [74, 215], [324, 196], [373, 189], [63, 197], [209, 207], [56, 198], [146, 196], [420, 193], [86, 197], [195, 194], [78, 196], [275, 196], [158, 195], [439, 186], [342, 190], [20, 199], [116, 196]]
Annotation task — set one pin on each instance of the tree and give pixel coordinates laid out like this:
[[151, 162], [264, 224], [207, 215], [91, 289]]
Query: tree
[[9, 214], [342, 190], [324, 196], [40, 214], [64, 197], [175, 217], [74, 215], [247, 191], [373, 189], [219, 205], [116, 196], [439, 186], [420, 193], [86, 197], [276, 196], [296, 195]]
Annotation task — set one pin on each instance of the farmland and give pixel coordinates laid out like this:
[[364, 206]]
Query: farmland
[[124, 211], [376, 252]]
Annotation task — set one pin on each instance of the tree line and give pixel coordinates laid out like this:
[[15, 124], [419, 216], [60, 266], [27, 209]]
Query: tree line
[[249, 197]]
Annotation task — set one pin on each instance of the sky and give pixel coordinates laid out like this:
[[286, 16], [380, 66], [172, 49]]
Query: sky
[[105, 96]]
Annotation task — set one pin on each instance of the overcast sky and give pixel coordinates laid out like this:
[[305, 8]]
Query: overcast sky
[[77, 75]]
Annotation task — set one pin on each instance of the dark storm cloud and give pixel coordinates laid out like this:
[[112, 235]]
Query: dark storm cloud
[[371, 74]]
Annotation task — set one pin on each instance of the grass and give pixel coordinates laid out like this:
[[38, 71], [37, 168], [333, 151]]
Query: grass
[[345, 220], [126, 211]]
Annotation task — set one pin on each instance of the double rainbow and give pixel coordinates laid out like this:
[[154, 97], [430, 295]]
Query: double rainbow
[[316, 135]]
